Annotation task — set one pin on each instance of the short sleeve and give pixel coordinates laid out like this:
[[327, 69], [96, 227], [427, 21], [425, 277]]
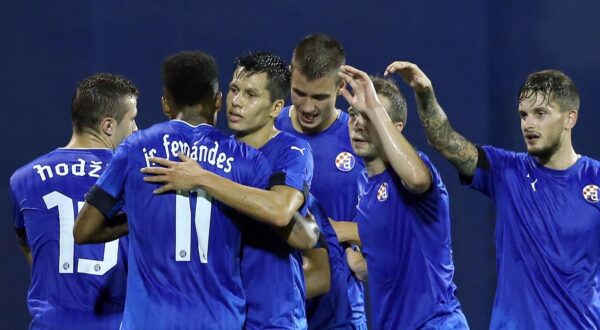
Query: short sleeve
[[294, 166], [112, 180]]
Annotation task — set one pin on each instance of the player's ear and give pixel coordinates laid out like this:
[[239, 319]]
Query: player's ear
[[165, 107], [571, 118], [218, 101], [108, 125], [277, 107], [399, 125], [341, 85]]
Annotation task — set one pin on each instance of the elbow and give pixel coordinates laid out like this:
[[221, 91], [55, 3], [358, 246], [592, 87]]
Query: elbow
[[420, 183], [281, 219]]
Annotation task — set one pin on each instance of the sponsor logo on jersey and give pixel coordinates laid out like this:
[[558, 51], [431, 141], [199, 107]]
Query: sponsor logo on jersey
[[345, 161], [382, 192], [299, 149], [590, 193]]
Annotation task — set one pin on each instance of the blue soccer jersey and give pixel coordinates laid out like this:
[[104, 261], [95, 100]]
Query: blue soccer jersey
[[334, 185], [331, 310], [406, 240], [547, 240], [184, 266], [272, 271], [72, 286]]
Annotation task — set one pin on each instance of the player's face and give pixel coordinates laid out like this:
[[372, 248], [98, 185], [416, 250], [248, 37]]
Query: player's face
[[314, 101], [365, 140], [543, 124], [249, 105], [127, 124]]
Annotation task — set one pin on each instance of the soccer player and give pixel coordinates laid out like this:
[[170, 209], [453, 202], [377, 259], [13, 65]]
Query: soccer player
[[548, 220], [184, 269], [403, 214], [73, 286], [313, 117], [271, 270]]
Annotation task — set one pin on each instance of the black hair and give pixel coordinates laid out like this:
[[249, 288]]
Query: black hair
[[387, 88], [318, 55], [278, 74], [99, 96], [191, 78], [552, 85]]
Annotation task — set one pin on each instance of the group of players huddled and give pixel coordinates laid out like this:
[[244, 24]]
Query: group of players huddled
[[179, 226]]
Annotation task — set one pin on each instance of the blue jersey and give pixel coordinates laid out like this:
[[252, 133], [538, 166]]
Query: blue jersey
[[184, 266], [336, 172], [547, 240], [406, 240], [72, 286], [331, 310], [272, 271]]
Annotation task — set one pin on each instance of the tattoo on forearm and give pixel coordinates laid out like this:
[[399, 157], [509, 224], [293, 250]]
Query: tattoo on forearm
[[440, 134]]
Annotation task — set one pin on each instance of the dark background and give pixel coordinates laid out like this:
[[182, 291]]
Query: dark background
[[477, 53]]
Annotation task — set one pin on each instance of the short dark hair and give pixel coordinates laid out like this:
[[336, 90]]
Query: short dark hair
[[318, 55], [100, 96], [191, 78], [551, 85], [387, 88], [278, 73]]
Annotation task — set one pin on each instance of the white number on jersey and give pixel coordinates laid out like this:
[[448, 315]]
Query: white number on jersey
[[183, 224], [66, 215]]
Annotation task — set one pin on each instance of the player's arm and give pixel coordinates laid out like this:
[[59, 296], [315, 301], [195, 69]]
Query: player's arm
[[357, 263], [274, 207], [22, 236], [440, 134], [346, 231], [301, 233], [399, 153], [92, 225], [317, 274]]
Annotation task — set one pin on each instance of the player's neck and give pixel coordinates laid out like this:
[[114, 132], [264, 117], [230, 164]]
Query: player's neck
[[375, 166], [259, 137], [325, 124], [193, 116], [89, 140], [562, 159]]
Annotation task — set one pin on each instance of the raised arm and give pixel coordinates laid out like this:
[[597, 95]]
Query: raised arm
[[399, 153], [440, 134], [274, 207]]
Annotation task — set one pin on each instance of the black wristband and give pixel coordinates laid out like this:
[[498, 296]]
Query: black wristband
[[101, 200]]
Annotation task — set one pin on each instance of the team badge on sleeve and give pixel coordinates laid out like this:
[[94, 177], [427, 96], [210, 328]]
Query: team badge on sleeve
[[345, 161], [590, 193], [382, 192]]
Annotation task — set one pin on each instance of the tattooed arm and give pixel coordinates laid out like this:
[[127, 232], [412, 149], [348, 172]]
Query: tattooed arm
[[440, 134]]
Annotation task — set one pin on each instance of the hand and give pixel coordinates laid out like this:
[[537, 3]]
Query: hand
[[175, 175], [411, 74], [365, 98], [357, 264]]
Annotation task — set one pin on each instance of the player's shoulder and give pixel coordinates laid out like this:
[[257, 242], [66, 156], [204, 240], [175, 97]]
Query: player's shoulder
[[591, 165], [24, 171], [591, 162], [289, 140], [495, 154]]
